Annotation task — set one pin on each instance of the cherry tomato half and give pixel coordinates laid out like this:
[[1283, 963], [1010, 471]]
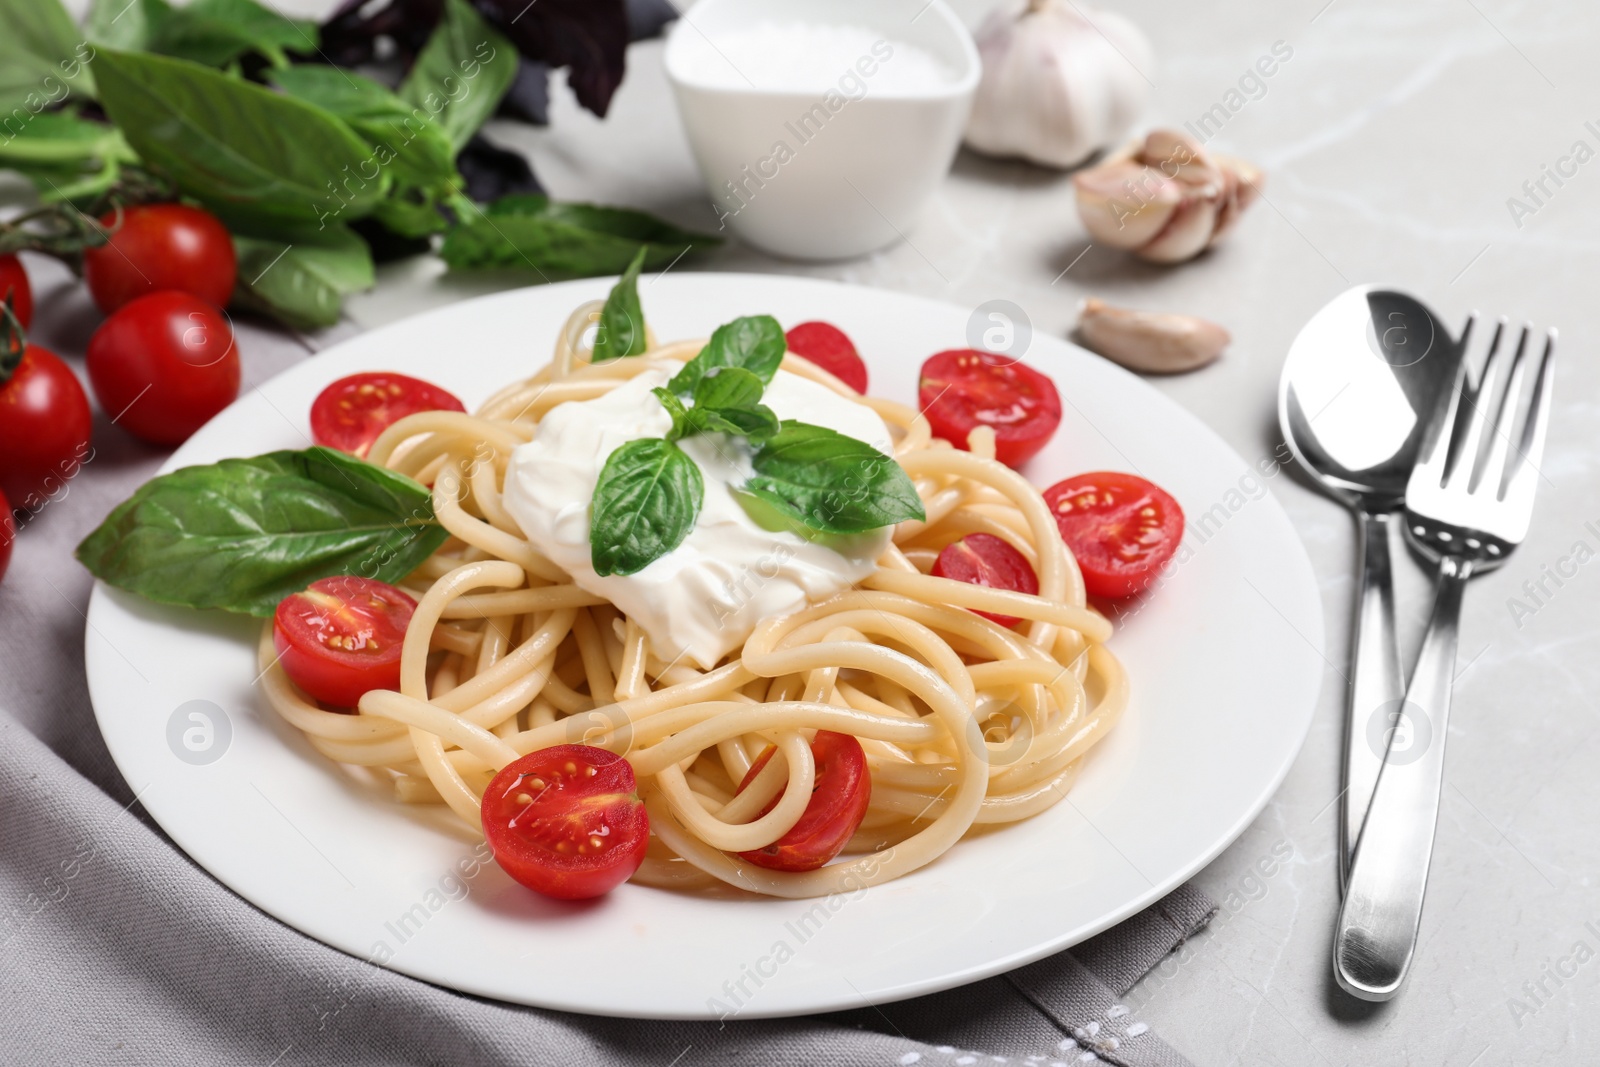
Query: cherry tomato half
[[1121, 528], [829, 348], [157, 247], [566, 821], [8, 534], [838, 803], [351, 413], [14, 282], [984, 559], [341, 637], [964, 388], [44, 424], [164, 365]]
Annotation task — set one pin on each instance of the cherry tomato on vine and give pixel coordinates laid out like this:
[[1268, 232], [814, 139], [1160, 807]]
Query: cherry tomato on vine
[[8, 534], [14, 283], [566, 821], [351, 413], [963, 388], [164, 365], [44, 420], [984, 559], [1121, 528], [829, 348], [838, 803], [341, 637], [155, 247]]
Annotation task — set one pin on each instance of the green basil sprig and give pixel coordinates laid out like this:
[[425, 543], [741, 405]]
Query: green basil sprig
[[645, 504], [809, 479], [243, 534], [621, 327], [461, 73], [831, 483], [526, 231], [754, 342]]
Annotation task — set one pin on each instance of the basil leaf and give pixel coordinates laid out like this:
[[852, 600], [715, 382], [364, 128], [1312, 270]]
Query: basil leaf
[[42, 57], [412, 146], [58, 138], [830, 482], [754, 342], [243, 534], [675, 408], [125, 24], [729, 401], [461, 73], [302, 283], [242, 149], [216, 32], [645, 504], [529, 232], [621, 328]]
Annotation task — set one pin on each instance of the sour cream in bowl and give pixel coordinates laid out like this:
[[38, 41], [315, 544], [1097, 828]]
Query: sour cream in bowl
[[822, 128]]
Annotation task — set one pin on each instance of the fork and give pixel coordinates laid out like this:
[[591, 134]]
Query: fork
[[1468, 506]]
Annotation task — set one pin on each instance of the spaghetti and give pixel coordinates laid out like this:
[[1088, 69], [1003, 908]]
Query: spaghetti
[[965, 724]]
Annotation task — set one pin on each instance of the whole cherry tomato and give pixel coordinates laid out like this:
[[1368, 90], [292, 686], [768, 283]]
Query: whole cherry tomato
[[162, 366], [14, 283], [8, 534], [566, 821], [1121, 528], [44, 420], [964, 388], [154, 247], [341, 637], [839, 798]]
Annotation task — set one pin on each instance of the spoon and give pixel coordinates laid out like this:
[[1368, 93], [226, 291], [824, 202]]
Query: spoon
[[1360, 390]]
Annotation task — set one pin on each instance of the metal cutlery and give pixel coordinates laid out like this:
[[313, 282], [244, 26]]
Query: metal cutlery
[[1467, 507], [1360, 389]]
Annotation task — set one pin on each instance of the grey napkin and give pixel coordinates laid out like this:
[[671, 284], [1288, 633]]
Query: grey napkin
[[116, 949]]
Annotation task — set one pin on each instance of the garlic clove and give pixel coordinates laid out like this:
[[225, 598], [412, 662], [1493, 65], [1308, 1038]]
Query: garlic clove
[[1125, 204], [1152, 342], [1167, 199], [1059, 83], [1187, 233]]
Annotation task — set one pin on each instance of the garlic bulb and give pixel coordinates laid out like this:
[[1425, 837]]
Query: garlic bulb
[[1149, 341], [1060, 82], [1166, 200]]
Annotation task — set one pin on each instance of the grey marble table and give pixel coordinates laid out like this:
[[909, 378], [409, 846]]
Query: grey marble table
[[1399, 140], [1393, 139]]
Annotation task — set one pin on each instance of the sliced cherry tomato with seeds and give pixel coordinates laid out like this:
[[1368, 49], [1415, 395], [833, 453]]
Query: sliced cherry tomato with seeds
[[963, 388], [353, 412], [1121, 528], [831, 349], [567, 821], [987, 560], [839, 798], [341, 637]]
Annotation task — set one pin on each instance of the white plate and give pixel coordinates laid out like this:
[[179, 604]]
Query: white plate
[[1222, 659]]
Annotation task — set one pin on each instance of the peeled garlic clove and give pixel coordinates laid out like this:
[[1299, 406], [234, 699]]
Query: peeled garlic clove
[[1125, 204], [1059, 83], [1148, 341]]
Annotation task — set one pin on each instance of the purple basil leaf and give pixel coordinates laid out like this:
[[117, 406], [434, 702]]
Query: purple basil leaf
[[588, 37], [528, 98], [492, 172], [647, 18]]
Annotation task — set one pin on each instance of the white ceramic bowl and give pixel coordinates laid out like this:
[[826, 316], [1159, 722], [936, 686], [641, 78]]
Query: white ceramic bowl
[[834, 172]]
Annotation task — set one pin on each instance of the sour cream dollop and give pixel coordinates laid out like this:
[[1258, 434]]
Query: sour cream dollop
[[704, 598]]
